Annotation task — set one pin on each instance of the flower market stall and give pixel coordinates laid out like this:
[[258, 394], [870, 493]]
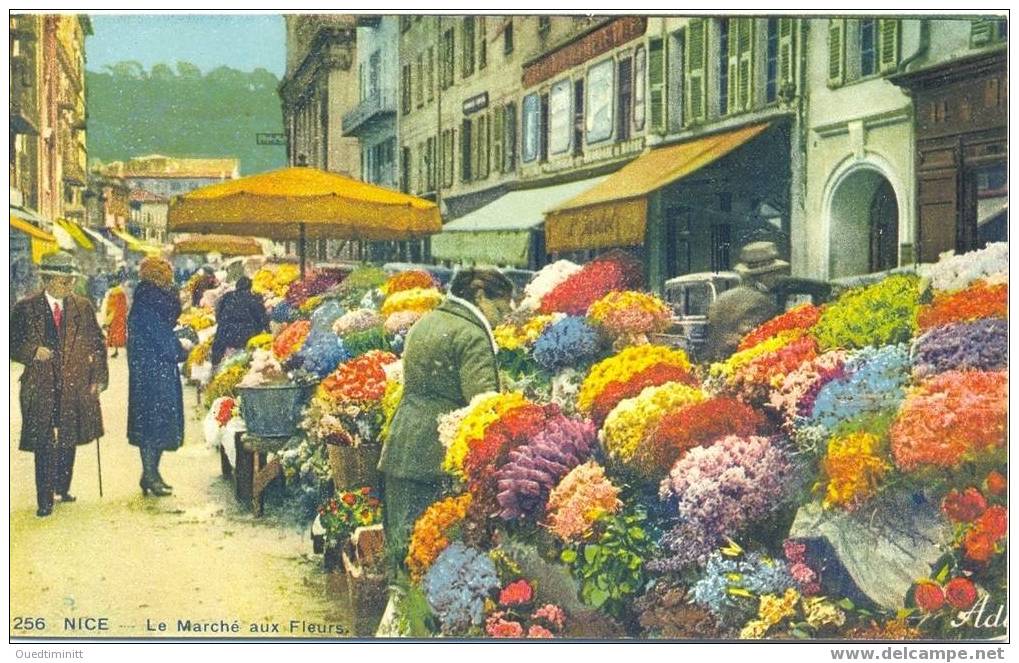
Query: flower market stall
[[843, 475]]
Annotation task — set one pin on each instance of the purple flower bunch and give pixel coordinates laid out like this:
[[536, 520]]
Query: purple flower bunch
[[535, 468], [566, 343], [721, 488], [981, 345]]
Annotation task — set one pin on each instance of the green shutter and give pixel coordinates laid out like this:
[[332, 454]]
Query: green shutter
[[695, 80], [745, 64], [836, 51], [498, 127], [732, 67], [510, 142], [656, 83], [981, 32], [888, 44], [786, 53]]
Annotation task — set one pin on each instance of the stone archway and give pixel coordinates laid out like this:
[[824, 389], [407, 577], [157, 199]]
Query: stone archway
[[863, 224]]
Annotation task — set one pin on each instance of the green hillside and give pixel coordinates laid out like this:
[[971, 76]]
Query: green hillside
[[180, 111]]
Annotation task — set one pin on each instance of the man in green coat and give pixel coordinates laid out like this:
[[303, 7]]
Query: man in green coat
[[449, 358]]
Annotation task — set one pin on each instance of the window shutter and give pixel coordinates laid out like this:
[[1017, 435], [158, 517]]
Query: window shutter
[[732, 66], [786, 53], [656, 83], [745, 70], [981, 32], [498, 127], [888, 46], [836, 51], [695, 80], [510, 141]]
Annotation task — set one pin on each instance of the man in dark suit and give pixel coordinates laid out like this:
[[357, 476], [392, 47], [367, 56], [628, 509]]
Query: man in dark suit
[[56, 336]]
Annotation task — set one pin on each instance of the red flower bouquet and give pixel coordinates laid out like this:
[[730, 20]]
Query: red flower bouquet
[[596, 279], [801, 317], [696, 425], [964, 507], [225, 412], [652, 376], [949, 419], [291, 339], [516, 593], [980, 300], [359, 380], [960, 593]]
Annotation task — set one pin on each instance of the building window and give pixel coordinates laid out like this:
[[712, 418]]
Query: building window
[[578, 117], [467, 47], [509, 138], [868, 52], [482, 43], [639, 88], [482, 141], [448, 139], [431, 155], [771, 62], [543, 131], [530, 112], [560, 117], [465, 151], [624, 99], [507, 38], [447, 59], [405, 90], [419, 80], [544, 26], [723, 66], [599, 102], [430, 73]]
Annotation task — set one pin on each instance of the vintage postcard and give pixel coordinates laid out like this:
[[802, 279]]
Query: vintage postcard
[[677, 327]]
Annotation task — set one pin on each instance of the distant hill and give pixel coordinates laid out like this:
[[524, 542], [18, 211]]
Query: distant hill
[[182, 112]]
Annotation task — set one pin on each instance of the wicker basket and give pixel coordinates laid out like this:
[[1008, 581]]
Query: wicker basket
[[354, 467], [367, 593]]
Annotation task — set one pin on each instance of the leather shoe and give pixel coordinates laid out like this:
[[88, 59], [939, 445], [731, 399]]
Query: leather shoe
[[68, 497], [44, 511]]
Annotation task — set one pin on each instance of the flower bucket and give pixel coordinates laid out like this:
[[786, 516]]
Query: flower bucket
[[273, 410], [354, 467], [368, 594]]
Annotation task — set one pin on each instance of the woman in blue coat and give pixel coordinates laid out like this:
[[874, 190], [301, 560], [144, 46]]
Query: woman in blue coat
[[155, 402]]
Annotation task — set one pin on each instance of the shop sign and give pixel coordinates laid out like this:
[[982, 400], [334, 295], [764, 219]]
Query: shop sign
[[604, 39], [475, 103]]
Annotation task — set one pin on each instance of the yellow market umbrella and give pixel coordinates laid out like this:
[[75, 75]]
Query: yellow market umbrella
[[76, 233], [228, 245], [41, 241], [134, 244], [304, 203]]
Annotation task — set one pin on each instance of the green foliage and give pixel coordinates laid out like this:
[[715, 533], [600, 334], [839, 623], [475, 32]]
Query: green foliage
[[611, 568], [361, 342], [880, 314], [180, 112]]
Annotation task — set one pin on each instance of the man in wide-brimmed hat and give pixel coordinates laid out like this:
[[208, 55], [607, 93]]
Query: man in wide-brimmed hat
[[56, 336], [737, 311]]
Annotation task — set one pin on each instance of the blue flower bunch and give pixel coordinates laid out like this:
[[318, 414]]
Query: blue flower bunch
[[875, 382], [321, 353], [565, 343], [457, 584], [981, 345], [323, 317], [729, 586], [283, 312]]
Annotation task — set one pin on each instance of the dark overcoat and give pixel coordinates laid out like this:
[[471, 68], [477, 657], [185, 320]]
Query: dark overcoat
[[155, 402], [448, 359], [240, 315], [57, 392]]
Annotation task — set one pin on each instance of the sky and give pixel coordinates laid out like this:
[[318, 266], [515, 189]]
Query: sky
[[206, 40]]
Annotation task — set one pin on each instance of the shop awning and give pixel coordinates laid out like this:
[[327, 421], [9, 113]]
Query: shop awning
[[614, 213], [132, 243], [109, 247], [500, 233], [76, 233], [40, 241]]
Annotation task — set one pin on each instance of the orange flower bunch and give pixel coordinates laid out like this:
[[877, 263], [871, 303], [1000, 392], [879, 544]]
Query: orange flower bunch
[[414, 278], [978, 301], [291, 339], [854, 468], [429, 537], [361, 380]]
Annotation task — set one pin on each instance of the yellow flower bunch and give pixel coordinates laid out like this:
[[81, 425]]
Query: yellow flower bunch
[[630, 422], [820, 611], [197, 318], [390, 401], [310, 304], [621, 367], [429, 537], [509, 336], [630, 311], [472, 428], [261, 341], [772, 610], [853, 468], [733, 364], [420, 300], [198, 356], [274, 280]]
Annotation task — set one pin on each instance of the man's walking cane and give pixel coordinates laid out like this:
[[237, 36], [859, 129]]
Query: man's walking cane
[[99, 464]]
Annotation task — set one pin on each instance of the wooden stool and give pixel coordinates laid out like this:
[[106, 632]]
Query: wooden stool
[[254, 473]]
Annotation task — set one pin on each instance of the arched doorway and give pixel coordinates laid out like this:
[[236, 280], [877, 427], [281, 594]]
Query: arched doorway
[[864, 230]]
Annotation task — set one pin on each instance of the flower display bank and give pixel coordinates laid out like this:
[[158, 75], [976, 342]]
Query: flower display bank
[[843, 475]]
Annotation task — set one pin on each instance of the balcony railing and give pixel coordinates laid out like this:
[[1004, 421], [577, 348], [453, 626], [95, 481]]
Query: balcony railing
[[379, 104]]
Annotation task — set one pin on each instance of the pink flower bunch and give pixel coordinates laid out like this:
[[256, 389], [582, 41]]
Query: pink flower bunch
[[401, 321], [545, 622], [552, 615], [807, 578], [581, 497], [801, 385]]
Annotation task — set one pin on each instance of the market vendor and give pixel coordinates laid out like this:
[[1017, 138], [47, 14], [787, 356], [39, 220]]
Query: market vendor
[[448, 359], [240, 315]]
